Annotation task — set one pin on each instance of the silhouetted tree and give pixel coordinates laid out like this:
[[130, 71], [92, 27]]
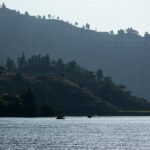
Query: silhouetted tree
[[146, 36], [121, 33], [131, 31], [60, 63], [45, 60], [26, 13], [49, 16], [29, 103], [2, 70], [112, 32], [3, 6], [87, 26], [21, 61], [10, 64], [76, 23], [44, 17], [99, 75]]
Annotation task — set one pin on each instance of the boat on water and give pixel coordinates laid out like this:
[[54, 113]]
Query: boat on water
[[89, 116], [60, 117]]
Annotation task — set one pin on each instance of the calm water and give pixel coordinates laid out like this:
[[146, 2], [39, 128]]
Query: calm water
[[75, 133]]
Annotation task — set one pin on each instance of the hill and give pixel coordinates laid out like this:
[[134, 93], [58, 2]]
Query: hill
[[62, 95], [123, 56], [67, 88]]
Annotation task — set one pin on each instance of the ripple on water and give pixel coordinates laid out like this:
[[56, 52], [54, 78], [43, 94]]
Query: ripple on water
[[75, 133]]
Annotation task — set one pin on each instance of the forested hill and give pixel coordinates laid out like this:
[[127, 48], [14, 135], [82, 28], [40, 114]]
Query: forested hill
[[68, 88], [123, 56]]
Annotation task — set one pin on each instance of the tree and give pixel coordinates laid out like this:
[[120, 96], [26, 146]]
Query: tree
[[10, 64], [45, 60], [131, 31], [99, 75], [71, 65], [146, 41], [146, 36], [121, 33], [21, 61], [30, 104], [44, 17], [49, 16], [3, 6], [2, 70], [87, 26], [83, 27], [76, 23], [60, 63], [112, 32], [26, 13], [91, 75]]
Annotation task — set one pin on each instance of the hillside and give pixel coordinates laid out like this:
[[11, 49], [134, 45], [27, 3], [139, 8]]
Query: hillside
[[68, 88], [123, 56], [62, 95]]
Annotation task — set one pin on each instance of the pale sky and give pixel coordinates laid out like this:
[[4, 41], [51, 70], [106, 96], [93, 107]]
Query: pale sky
[[105, 15]]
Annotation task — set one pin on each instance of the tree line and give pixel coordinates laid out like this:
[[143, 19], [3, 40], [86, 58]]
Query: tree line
[[128, 33], [94, 82], [24, 105]]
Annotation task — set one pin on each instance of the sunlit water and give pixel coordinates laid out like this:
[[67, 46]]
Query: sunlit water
[[75, 133]]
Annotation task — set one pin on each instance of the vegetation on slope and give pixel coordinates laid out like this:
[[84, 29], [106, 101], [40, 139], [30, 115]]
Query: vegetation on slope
[[68, 88]]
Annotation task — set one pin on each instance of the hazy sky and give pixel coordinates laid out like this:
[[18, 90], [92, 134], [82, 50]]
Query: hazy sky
[[104, 15]]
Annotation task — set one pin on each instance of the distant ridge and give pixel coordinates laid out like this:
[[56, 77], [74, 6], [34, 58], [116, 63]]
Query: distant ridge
[[123, 56]]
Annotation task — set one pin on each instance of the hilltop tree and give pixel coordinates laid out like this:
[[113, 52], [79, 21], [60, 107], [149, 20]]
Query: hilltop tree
[[121, 33], [147, 40], [21, 61], [131, 31], [132, 34], [60, 63], [99, 75], [44, 17], [112, 32], [87, 26], [26, 13], [71, 65], [146, 36], [10, 64], [76, 23], [45, 60], [49, 16], [3, 6], [2, 70]]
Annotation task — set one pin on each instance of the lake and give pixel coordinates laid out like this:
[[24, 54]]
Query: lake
[[75, 133]]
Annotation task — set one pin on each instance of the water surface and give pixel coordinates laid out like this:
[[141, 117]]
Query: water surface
[[75, 133]]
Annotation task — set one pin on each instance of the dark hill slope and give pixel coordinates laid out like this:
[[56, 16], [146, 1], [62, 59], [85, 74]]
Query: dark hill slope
[[63, 95], [124, 57]]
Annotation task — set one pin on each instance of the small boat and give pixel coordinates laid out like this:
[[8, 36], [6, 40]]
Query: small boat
[[60, 117], [89, 116]]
